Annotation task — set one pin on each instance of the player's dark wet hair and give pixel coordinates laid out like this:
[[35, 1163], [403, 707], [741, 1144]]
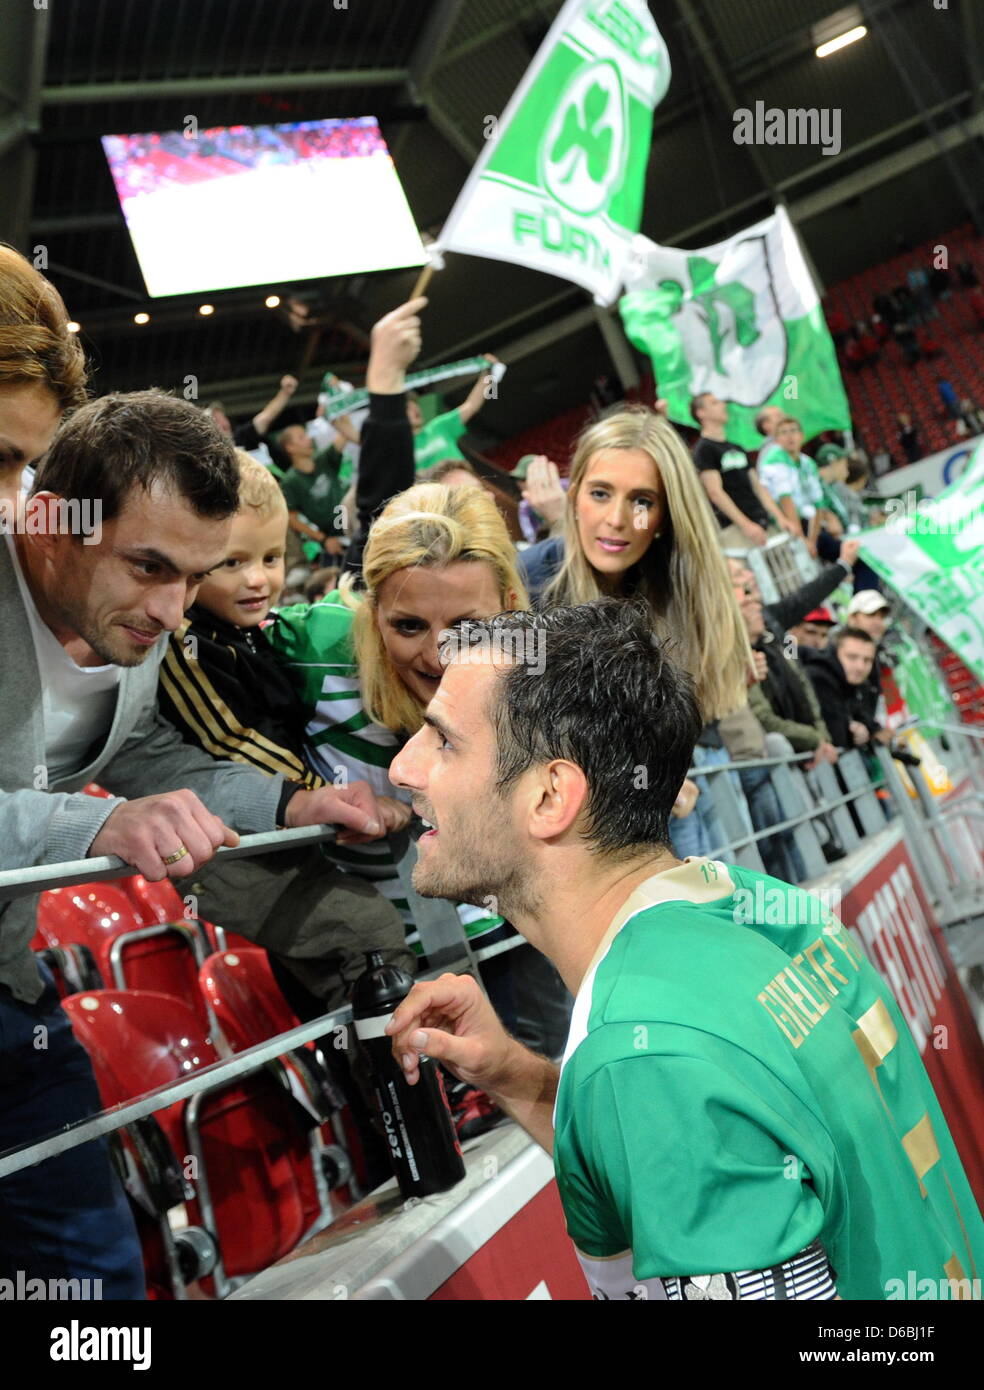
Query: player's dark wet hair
[[605, 696]]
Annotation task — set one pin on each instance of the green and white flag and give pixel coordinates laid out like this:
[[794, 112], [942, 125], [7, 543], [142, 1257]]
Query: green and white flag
[[920, 685], [559, 186], [932, 555], [742, 319]]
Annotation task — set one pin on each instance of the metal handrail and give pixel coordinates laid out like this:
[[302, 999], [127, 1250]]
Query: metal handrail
[[21, 883], [116, 1116], [776, 761], [812, 814]]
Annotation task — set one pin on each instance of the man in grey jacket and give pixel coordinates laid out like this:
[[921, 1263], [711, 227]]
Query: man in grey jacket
[[83, 624]]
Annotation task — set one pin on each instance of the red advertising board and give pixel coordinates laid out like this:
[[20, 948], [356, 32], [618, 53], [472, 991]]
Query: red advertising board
[[889, 912]]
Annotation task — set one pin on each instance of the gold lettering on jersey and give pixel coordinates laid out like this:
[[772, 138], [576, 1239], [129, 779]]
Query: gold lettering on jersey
[[803, 974], [780, 1017], [802, 991], [788, 982], [954, 1271], [824, 966], [843, 939]]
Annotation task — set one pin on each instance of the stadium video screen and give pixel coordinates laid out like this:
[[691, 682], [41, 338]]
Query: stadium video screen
[[257, 205]]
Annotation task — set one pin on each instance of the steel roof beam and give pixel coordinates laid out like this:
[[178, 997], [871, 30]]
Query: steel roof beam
[[77, 93]]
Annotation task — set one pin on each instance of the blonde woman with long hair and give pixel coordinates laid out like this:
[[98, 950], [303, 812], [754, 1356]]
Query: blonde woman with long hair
[[367, 663], [638, 525]]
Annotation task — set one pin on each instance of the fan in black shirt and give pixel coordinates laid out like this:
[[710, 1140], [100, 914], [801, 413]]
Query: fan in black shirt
[[742, 507]]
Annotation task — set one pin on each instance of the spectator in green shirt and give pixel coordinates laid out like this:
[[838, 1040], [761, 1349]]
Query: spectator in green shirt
[[438, 439], [832, 466], [312, 489]]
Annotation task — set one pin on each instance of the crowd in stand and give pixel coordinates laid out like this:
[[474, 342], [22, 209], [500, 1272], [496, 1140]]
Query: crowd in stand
[[902, 328], [304, 577]]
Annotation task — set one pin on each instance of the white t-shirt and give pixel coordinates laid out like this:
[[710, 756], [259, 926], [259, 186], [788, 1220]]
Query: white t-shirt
[[78, 702], [782, 477]]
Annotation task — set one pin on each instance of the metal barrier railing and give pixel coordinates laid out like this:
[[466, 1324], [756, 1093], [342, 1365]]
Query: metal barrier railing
[[742, 836], [21, 883], [16, 883]]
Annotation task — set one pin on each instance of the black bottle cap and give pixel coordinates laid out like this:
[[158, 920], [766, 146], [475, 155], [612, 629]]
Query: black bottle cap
[[380, 987]]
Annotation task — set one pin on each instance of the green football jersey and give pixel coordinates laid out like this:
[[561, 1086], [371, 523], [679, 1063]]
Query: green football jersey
[[342, 744], [438, 440], [739, 1084], [318, 495]]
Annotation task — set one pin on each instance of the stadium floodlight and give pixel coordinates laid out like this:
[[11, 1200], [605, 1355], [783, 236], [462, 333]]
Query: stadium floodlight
[[844, 27], [842, 40]]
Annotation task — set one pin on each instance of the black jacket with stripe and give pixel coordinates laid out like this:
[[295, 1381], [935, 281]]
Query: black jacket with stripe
[[223, 689]]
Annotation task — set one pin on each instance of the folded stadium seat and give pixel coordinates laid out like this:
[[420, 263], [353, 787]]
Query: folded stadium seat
[[253, 1182], [161, 902], [129, 951], [250, 1008], [73, 967], [245, 998]]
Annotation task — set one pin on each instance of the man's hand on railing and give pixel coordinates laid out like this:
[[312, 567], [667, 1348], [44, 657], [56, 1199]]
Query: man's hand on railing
[[354, 807], [397, 815], [860, 733], [826, 753], [164, 836]]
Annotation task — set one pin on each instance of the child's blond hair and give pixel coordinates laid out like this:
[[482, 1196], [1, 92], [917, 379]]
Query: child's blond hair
[[259, 490]]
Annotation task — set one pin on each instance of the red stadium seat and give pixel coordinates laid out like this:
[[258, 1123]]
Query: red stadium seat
[[155, 902], [161, 902], [245, 998], [243, 1145], [129, 952]]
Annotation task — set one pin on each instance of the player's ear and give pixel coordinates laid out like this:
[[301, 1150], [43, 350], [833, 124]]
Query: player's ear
[[559, 792]]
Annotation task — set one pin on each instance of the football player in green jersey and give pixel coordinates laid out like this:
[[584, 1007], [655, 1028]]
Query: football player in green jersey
[[741, 1111]]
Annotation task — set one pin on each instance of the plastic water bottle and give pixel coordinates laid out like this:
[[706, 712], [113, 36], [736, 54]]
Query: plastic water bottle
[[422, 1143]]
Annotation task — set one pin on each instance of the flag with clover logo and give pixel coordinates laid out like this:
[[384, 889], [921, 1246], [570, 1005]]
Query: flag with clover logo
[[741, 319], [559, 186], [932, 555]]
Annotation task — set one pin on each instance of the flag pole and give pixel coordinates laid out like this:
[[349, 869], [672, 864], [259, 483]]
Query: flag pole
[[423, 280]]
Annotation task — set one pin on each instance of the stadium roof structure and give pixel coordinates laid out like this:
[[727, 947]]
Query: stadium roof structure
[[432, 71]]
